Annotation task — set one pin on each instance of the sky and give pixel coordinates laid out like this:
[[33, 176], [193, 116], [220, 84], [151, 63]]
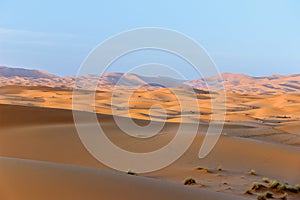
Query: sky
[[257, 38]]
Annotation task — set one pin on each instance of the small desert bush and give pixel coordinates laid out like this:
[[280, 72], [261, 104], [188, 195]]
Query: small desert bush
[[249, 192], [274, 184], [131, 173], [252, 172], [261, 197], [284, 196], [266, 180], [257, 186], [265, 195], [298, 187], [205, 169], [220, 168], [293, 189], [281, 187], [268, 194], [189, 181]]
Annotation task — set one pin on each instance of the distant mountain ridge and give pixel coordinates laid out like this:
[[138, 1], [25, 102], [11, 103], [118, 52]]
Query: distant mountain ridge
[[237, 83], [21, 72], [241, 83]]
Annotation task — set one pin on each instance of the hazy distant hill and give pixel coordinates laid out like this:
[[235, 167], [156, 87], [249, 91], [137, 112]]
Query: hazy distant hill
[[20, 72], [238, 83], [128, 79], [241, 83]]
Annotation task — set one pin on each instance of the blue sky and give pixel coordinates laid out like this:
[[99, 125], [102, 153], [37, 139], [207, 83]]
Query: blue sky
[[252, 37]]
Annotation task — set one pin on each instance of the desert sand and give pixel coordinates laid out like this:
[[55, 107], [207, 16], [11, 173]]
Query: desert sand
[[42, 156]]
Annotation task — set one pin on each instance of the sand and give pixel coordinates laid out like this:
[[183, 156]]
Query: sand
[[42, 156]]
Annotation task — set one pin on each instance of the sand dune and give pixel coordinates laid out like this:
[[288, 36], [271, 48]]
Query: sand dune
[[233, 83], [243, 84], [41, 136], [268, 117], [25, 179], [42, 157]]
